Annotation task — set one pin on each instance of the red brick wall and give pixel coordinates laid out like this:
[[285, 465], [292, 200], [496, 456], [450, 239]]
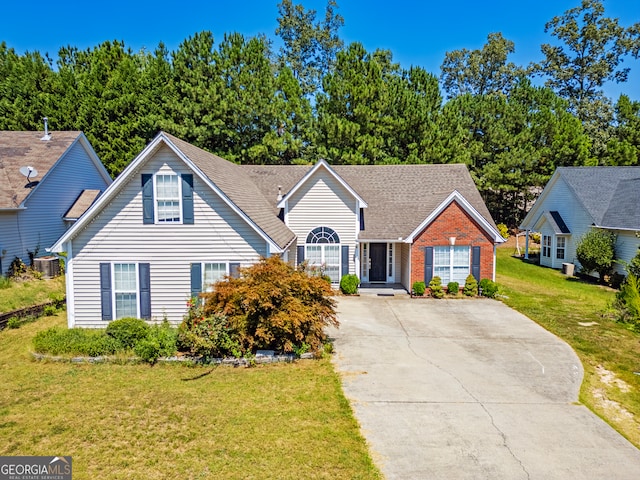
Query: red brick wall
[[452, 222]]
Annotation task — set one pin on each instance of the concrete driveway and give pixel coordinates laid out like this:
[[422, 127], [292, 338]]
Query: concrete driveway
[[470, 389]]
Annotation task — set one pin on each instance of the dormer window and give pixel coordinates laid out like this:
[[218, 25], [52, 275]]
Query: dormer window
[[168, 199]]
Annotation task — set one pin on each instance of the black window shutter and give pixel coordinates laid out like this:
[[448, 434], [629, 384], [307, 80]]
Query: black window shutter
[[345, 259], [196, 279], [147, 198], [475, 263], [300, 254], [144, 277], [362, 219], [105, 292], [187, 198], [428, 264], [234, 270]]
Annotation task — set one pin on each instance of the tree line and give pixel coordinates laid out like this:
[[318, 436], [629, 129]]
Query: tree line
[[315, 97]]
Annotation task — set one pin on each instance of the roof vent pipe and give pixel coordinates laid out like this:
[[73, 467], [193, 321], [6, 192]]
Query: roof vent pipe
[[46, 137], [279, 197]]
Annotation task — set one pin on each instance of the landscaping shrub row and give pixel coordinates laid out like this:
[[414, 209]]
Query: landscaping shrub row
[[127, 335], [271, 306], [471, 288]]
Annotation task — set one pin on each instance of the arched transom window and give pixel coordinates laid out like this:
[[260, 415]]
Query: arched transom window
[[323, 235], [322, 250]]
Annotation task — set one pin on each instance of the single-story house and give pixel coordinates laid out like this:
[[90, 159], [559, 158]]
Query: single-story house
[[47, 180], [577, 199], [179, 218]]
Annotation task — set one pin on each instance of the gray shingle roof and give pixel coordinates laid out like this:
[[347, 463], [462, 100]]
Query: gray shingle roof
[[399, 197], [558, 223], [82, 204], [624, 208], [21, 149], [607, 193], [239, 188]]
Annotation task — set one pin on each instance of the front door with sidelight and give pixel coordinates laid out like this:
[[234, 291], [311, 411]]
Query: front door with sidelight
[[378, 269]]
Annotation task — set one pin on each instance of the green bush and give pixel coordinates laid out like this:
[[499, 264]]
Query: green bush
[[5, 282], [633, 267], [435, 287], [349, 284], [596, 252], [419, 288], [14, 322], [75, 341], [489, 288], [627, 302], [209, 337], [128, 331], [161, 341], [453, 288], [504, 230], [49, 310], [470, 286]]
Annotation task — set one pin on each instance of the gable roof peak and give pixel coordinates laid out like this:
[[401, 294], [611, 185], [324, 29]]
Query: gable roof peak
[[322, 163]]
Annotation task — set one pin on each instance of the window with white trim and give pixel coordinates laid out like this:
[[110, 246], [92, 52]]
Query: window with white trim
[[125, 287], [322, 250], [546, 246], [212, 273], [560, 247], [452, 263], [168, 198]]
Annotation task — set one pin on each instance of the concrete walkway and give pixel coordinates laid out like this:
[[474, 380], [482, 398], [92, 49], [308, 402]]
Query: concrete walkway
[[470, 389]]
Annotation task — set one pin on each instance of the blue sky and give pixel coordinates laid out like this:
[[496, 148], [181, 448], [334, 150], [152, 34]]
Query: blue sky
[[417, 32]]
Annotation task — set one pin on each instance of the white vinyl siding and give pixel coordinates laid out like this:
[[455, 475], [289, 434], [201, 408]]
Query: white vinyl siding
[[626, 248], [41, 224], [323, 201], [118, 235], [560, 198]]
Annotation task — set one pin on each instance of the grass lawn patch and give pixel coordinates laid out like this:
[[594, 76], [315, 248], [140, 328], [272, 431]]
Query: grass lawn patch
[[575, 311], [281, 421], [20, 294]]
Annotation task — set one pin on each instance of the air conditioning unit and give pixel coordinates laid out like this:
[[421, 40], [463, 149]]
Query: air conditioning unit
[[49, 266]]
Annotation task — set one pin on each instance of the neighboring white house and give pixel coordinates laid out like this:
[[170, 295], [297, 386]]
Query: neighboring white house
[[178, 219], [577, 199], [63, 176]]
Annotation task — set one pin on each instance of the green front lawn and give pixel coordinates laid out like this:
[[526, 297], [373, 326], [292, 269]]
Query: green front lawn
[[173, 421], [609, 352], [15, 295]]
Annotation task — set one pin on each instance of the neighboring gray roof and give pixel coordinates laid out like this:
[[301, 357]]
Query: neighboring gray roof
[[22, 149], [240, 190], [399, 197], [558, 223], [624, 207], [599, 190], [82, 204]]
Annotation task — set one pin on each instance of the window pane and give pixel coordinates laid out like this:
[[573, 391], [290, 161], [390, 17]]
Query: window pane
[[441, 256], [314, 255], [125, 277], [332, 262], [212, 273], [126, 305], [443, 273]]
